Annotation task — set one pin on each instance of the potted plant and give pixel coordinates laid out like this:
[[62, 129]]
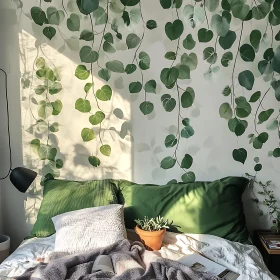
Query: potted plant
[[151, 231]]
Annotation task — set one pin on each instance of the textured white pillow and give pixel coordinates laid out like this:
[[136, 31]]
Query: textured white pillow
[[86, 229]]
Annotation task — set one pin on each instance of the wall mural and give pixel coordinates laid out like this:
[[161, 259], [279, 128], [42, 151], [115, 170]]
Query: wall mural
[[213, 25]]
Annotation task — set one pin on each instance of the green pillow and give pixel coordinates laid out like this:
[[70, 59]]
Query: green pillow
[[62, 196], [202, 207]]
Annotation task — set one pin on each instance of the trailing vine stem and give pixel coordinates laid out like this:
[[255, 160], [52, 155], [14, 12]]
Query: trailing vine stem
[[234, 65], [255, 118], [62, 3], [97, 103], [206, 14]]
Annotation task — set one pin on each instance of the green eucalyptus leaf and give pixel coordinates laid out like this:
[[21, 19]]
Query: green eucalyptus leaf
[[59, 163], [40, 89], [87, 35], [57, 107], [268, 54], [212, 5], [265, 115], [258, 167], [81, 72], [255, 38], [116, 6], [105, 93], [88, 87], [168, 102], [189, 60], [55, 88], [194, 15], [225, 111], [265, 67], [100, 16], [169, 76], [170, 141], [170, 55], [276, 60], [204, 35], [115, 66], [87, 6], [135, 87], [45, 109], [263, 137], [94, 161], [73, 22], [151, 24], [220, 25], [130, 2], [260, 11], [277, 36], [108, 47], [104, 74], [130, 68], [239, 9], [246, 79], [226, 59], [226, 91], [243, 108], [150, 86], [274, 18], [105, 150], [174, 29], [38, 15], [40, 63], [187, 161], [228, 40], [226, 5], [88, 55], [237, 126], [146, 107], [255, 97], [167, 162], [187, 97], [188, 177], [87, 134], [184, 71], [239, 155], [189, 42], [276, 152], [210, 55], [126, 18], [166, 4], [247, 53], [145, 61], [132, 41], [55, 16], [97, 118], [272, 124], [83, 105]]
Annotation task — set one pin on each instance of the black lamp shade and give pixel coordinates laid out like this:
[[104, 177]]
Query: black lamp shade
[[22, 178]]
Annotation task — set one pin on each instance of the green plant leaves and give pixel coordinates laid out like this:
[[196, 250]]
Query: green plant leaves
[[105, 150], [228, 40], [49, 32], [105, 93], [187, 97], [187, 131], [187, 161], [151, 24], [243, 108], [226, 91], [132, 40], [255, 97], [247, 52], [38, 15], [87, 6], [239, 155], [94, 161], [83, 105], [104, 74], [167, 162], [226, 59], [87, 134], [130, 68], [276, 60], [184, 71], [168, 102], [265, 115], [145, 61], [276, 152], [204, 35], [88, 55], [212, 5], [260, 11], [57, 107], [188, 177], [87, 35], [135, 87], [220, 25], [170, 55], [255, 38], [44, 109], [130, 2], [188, 42], [225, 111], [170, 141], [166, 4], [55, 88], [81, 72], [100, 16], [97, 118], [246, 79], [237, 126], [189, 60], [194, 15], [210, 55], [73, 22], [169, 76], [115, 66], [146, 107], [277, 36], [55, 16], [150, 86], [126, 18], [260, 140], [239, 9], [174, 30], [108, 43]]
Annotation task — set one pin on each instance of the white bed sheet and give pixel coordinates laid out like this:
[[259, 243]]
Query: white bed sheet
[[243, 259]]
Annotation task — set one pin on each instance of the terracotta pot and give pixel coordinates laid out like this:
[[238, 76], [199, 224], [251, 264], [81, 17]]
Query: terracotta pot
[[152, 240]]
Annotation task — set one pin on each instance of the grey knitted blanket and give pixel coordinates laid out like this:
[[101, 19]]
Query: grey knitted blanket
[[127, 260]]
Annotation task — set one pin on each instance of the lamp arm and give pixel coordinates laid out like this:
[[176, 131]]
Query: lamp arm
[[8, 123]]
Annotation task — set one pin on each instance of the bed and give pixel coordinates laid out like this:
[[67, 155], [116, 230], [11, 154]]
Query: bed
[[243, 259]]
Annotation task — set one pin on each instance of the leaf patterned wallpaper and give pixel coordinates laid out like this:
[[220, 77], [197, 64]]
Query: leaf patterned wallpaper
[[151, 91]]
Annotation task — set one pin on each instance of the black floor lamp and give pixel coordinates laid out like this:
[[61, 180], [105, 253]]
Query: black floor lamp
[[20, 177]]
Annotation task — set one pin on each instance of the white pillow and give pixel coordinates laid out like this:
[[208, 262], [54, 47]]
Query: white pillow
[[89, 228]]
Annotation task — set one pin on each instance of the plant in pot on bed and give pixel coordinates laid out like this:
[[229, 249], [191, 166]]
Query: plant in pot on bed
[[151, 231]]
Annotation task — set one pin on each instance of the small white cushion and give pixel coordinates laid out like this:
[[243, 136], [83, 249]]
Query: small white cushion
[[90, 228]]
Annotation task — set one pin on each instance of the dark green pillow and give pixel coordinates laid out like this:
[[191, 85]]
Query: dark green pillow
[[62, 196], [202, 207]]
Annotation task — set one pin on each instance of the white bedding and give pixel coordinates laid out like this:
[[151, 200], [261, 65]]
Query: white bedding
[[243, 259]]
